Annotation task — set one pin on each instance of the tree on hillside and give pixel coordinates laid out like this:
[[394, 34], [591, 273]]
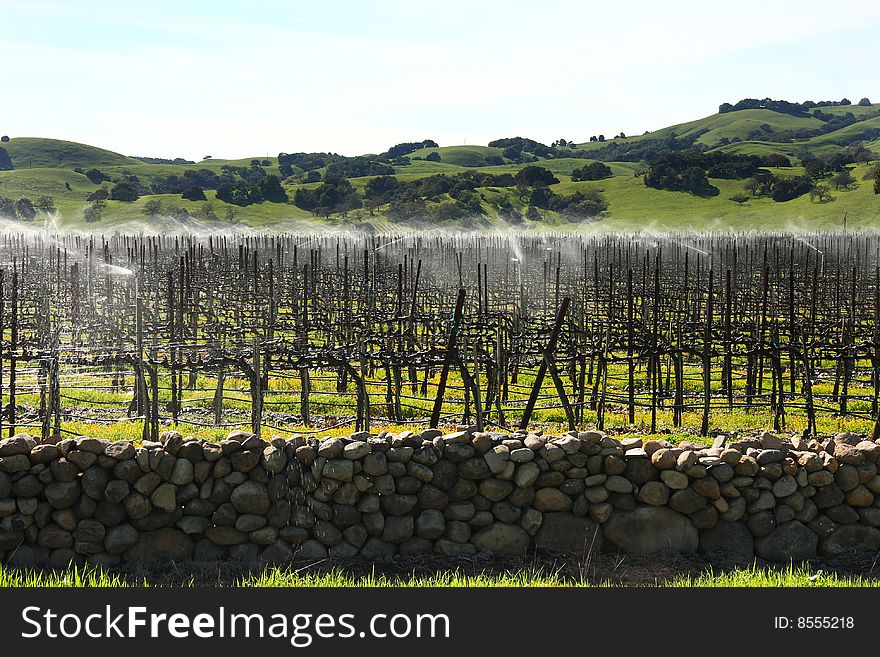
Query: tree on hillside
[[821, 193], [786, 189], [591, 171], [95, 175], [843, 179], [100, 194], [535, 176], [152, 208], [124, 191], [433, 156], [7, 207], [864, 102], [270, 187], [877, 181], [93, 213], [381, 189], [775, 160], [45, 204], [194, 193], [25, 209], [5, 161], [4, 138]]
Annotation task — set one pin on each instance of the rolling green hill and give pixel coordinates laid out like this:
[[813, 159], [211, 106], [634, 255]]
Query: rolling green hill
[[45, 168], [37, 152]]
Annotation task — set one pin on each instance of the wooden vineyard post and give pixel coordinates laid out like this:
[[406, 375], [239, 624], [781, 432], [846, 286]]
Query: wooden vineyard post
[[256, 389], [630, 339], [141, 405], [13, 351], [707, 361], [218, 396], [547, 362], [448, 357]]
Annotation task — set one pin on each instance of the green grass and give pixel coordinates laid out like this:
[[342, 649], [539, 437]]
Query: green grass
[[35, 152], [749, 576], [464, 156]]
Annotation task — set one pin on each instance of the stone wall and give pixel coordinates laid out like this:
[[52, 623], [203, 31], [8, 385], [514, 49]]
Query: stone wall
[[88, 500]]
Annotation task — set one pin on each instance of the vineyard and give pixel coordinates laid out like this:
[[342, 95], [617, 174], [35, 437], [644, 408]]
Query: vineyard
[[307, 333]]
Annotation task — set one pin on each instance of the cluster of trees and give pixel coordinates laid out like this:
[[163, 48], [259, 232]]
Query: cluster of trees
[[305, 162], [580, 205], [154, 208], [235, 185], [246, 192], [690, 172], [95, 176], [162, 160], [523, 149], [357, 167], [621, 150], [339, 166], [407, 147], [5, 160], [200, 179], [333, 196], [451, 196], [591, 171], [25, 209], [877, 180], [780, 189], [783, 106]]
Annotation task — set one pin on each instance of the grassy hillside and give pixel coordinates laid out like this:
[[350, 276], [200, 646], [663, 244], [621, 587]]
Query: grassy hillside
[[37, 152], [731, 125], [45, 167], [463, 156]]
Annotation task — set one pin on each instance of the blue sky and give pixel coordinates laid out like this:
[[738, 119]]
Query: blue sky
[[233, 79]]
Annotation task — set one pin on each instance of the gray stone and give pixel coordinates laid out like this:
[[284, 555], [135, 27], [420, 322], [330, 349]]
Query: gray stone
[[686, 501], [495, 489], [398, 529], [551, 499], [655, 493], [851, 538], [62, 494], [182, 472], [784, 486], [279, 552], [162, 545], [650, 529], [526, 474], [331, 448], [430, 524], [376, 547], [789, 542], [398, 505], [165, 497], [339, 469], [731, 537], [250, 497], [502, 538], [120, 538], [564, 533], [310, 550]]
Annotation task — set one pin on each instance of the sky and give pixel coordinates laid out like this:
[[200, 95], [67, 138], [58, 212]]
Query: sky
[[190, 78]]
